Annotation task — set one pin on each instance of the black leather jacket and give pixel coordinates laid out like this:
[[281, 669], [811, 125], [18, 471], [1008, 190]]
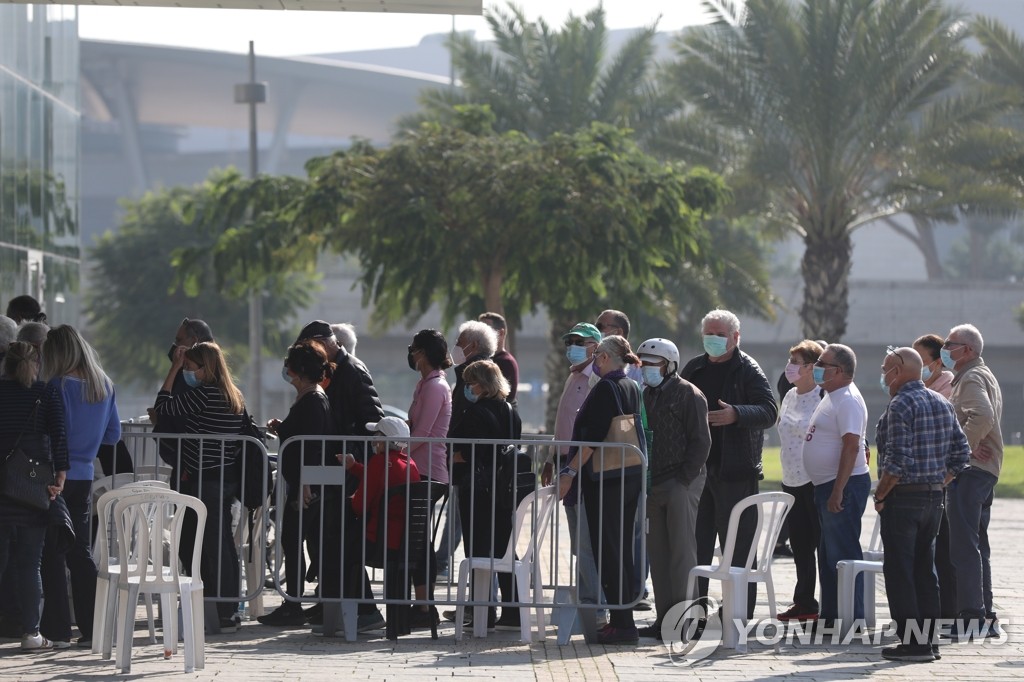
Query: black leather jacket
[[746, 389]]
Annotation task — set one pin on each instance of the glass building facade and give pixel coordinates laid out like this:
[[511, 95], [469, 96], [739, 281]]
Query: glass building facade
[[39, 147]]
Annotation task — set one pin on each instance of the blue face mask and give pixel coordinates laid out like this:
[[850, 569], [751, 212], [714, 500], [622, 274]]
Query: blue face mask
[[190, 378], [284, 375], [926, 373], [947, 359], [652, 376], [819, 375], [470, 396], [576, 354], [881, 382], [715, 346]]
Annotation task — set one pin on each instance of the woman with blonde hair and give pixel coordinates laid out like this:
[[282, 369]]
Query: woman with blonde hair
[[206, 467], [72, 367], [611, 498], [31, 416]]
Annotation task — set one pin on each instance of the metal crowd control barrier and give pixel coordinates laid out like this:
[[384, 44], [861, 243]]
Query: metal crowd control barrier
[[343, 537], [210, 467]]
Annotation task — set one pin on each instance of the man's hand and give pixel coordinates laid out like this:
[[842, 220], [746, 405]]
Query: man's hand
[[723, 417], [879, 506], [178, 359], [982, 453], [272, 425], [835, 501], [564, 483]]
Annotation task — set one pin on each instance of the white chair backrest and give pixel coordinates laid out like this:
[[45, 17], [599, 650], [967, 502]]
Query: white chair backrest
[[105, 533], [771, 510], [534, 512], [141, 521]]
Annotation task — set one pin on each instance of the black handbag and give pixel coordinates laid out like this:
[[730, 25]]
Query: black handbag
[[28, 469]]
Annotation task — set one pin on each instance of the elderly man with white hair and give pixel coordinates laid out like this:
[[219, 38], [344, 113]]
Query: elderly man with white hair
[[978, 402]]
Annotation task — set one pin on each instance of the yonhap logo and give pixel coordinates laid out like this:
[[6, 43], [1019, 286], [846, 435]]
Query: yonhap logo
[[692, 630]]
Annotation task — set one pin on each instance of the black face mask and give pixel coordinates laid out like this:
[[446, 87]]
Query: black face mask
[[170, 353], [412, 361]]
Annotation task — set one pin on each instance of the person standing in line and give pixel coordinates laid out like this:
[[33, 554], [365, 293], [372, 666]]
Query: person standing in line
[[505, 361], [677, 414], [836, 462], [804, 527], [90, 414], [921, 448]]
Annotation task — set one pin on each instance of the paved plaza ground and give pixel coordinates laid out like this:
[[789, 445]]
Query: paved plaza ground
[[257, 652]]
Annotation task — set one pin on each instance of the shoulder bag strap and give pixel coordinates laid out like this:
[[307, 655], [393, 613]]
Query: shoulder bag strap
[[31, 420]]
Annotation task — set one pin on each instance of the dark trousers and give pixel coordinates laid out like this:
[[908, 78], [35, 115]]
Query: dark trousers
[[480, 509], [56, 620], [910, 523], [291, 545], [218, 564], [716, 503], [611, 507], [968, 511], [425, 572], [341, 569], [21, 548], [944, 568], [804, 536]]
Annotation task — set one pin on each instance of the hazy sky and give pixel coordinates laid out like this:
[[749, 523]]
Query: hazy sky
[[290, 33]]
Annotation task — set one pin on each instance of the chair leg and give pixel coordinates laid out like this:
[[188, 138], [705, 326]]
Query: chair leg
[[482, 579], [109, 632], [99, 618], [128, 600], [846, 578], [769, 587], [521, 580], [170, 625], [148, 599], [460, 599], [869, 598], [192, 630]]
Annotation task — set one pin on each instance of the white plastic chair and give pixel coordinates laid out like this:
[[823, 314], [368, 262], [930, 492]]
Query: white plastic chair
[[771, 509], [535, 508], [141, 520], [107, 569], [848, 570]]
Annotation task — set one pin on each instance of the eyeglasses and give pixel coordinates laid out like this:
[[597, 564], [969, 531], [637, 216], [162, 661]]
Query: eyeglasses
[[950, 344], [822, 363], [577, 342], [894, 351]]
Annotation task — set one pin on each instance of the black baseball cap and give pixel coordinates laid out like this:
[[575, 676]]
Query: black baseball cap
[[317, 329]]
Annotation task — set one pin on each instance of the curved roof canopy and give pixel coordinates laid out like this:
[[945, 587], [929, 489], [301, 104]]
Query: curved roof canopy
[[396, 6]]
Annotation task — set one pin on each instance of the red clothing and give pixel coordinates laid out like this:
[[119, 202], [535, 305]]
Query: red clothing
[[380, 474]]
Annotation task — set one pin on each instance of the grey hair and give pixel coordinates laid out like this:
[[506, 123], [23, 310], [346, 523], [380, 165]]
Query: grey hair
[[720, 315], [482, 334], [33, 332], [345, 334], [844, 357], [970, 335], [8, 331]]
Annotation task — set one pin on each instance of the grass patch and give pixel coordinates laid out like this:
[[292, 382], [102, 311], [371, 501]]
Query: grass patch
[[1011, 477]]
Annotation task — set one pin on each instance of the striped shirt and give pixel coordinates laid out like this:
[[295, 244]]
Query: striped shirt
[[205, 412], [918, 437]]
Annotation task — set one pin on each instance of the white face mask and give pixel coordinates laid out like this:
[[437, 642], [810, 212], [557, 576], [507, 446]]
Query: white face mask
[[458, 355]]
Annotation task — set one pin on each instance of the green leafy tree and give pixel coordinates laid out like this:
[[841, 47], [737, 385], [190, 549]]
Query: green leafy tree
[[825, 106], [134, 305], [539, 80]]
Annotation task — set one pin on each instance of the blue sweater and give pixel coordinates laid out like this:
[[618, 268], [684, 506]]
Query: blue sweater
[[89, 425]]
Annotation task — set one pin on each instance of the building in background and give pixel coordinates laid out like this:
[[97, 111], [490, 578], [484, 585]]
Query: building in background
[[39, 155]]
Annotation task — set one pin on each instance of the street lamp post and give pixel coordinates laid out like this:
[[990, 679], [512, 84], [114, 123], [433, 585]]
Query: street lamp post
[[253, 93]]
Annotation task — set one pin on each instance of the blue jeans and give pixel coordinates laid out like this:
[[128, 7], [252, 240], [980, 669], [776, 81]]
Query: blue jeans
[[22, 548], [910, 524], [588, 589], [840, 541], [968, 524]]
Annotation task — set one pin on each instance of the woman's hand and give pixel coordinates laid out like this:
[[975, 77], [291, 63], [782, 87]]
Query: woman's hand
[[178, 357], [546, 472], [307, 495], [564, 484], [58, 485], [272, 425], [348, 459]]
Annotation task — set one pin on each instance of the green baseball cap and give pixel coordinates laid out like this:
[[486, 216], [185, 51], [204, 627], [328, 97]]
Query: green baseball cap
[[585, 330]]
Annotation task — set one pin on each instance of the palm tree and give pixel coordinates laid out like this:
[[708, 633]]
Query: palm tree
[[540, 81], [824, 103]]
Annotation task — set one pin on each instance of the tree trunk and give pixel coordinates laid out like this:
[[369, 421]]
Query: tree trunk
[[930, 250], [556, 367], [826, 271]]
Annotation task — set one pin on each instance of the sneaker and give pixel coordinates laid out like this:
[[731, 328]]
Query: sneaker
[[644, 604], [314, 614], [61, 644], [935, 652], [450, 615], [84, 642], [993, 628], [35, 642], [369, 622], [231, 622], [651, 631], [613, 635], [797, 612], [909, 653], [288, 614]]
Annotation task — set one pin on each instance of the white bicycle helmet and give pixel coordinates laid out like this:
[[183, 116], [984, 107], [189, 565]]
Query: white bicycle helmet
[[660, 349]]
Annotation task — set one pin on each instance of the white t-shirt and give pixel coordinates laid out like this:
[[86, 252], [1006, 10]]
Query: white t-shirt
[[840, 412], [794, 418]]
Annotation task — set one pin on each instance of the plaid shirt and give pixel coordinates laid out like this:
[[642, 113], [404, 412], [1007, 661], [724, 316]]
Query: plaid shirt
[[918, 437]]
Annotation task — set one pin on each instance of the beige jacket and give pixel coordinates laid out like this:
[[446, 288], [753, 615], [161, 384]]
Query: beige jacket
[[979, 409]]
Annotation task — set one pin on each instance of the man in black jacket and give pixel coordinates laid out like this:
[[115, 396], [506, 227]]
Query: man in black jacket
[[354, 403], [740, 407]]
